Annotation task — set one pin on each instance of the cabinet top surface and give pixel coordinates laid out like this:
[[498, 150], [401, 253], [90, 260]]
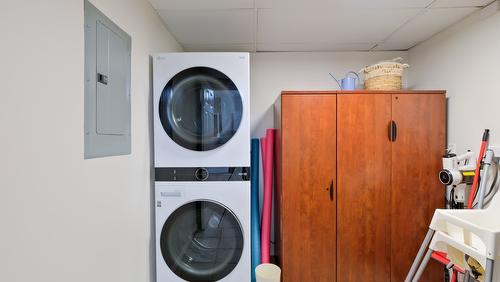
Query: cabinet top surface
[[298, 92]]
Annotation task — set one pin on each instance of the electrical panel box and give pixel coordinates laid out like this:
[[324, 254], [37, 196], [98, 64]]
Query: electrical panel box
[[107, 86]]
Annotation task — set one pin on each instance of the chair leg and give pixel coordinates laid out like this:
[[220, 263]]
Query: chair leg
[[422, 266], [467, 276], [420, 254], [489, 270]]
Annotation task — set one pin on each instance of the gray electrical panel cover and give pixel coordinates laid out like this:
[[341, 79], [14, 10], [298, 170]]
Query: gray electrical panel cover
[[107, 86]]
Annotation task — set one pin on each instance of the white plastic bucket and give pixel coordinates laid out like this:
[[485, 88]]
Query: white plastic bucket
[[267, 272]]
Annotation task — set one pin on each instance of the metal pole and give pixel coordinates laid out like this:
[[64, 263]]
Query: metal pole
[[489, 270], [467, 276], [488, 158], [420, 253], [422, 266]]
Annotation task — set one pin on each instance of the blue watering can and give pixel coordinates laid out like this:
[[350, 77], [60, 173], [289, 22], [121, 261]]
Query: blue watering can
[[348, 82]]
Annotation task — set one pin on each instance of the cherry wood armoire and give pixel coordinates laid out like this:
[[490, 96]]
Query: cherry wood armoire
[[356, 182]]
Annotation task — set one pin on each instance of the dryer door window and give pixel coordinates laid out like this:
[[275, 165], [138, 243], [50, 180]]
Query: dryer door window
[[200, 108], [202, 241]]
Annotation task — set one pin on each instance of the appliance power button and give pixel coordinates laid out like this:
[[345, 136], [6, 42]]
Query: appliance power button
[[201, 174]]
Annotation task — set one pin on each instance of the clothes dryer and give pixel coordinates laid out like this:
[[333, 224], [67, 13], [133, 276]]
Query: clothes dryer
[[201, 110]]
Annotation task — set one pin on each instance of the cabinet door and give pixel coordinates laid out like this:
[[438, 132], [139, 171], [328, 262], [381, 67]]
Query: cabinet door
[[416, 191], [364, 181], [307, 210]]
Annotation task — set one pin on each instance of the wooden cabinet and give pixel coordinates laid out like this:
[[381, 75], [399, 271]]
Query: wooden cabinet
[[356, 182]]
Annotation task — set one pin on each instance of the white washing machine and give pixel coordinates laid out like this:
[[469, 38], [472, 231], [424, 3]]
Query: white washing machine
[[202, 231], [201, 109]]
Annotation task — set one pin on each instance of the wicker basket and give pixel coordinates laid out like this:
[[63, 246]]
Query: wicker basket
[[385, 82], [384, 75]]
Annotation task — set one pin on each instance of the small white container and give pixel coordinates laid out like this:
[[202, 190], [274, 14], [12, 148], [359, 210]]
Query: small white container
[[267, 272]]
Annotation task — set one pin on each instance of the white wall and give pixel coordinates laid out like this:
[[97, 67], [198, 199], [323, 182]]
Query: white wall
[[272, 72], [64, 218], [464, 60]]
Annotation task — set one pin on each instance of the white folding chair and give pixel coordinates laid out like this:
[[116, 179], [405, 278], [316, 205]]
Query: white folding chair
[[475, 233]]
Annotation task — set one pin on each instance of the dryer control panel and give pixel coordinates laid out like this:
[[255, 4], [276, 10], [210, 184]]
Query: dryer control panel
[[202, 174]]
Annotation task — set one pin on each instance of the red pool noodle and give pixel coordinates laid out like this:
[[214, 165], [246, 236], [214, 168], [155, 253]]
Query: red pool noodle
[[263, 153], [265, 235], [263, 143]]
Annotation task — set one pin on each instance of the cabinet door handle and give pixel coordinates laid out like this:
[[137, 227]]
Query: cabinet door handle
[[331, 190], [393, 131]]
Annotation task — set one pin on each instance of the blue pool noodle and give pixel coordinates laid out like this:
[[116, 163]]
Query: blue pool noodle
[[254, 205]]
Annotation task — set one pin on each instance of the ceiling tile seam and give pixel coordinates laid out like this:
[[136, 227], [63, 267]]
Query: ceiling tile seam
[[414, 45], [419, 14], [317, 51], [306, 42], [448, 26], [393, 49], [479, 6], [218, 44], [343, 8], [373, 47], [205, 10], [423, 11], [430, 4], [456, 7]]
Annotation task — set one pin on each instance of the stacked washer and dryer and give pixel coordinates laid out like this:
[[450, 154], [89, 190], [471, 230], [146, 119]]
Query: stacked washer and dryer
[[202, 160]]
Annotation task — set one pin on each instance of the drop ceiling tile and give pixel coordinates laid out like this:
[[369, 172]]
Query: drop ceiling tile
[[357, 4], [460, 3], [211, 27], [201, 5], [314, 47], [320, 25], [429, 23], [394, 46], [250, 47]]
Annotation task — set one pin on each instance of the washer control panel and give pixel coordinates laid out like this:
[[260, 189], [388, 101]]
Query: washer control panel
[[202, 174]]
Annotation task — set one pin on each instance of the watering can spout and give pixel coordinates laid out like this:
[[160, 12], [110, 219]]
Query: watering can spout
[[340, 86]]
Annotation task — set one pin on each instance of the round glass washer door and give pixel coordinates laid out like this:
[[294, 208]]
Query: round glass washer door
[[202, 241], [200, 108]]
